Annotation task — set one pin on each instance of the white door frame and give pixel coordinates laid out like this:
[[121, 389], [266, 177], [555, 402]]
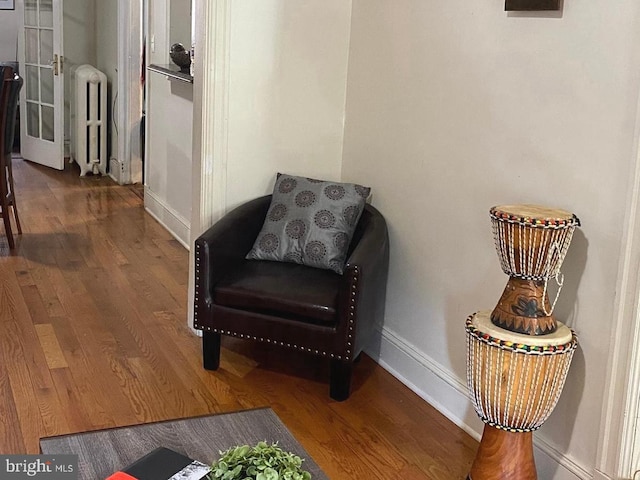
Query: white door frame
[[618, 444], [127, 168], [212, 33]]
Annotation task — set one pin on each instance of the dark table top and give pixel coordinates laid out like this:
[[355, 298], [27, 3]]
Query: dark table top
[[103, 452]]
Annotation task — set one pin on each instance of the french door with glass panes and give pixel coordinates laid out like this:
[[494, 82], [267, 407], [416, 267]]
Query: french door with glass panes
[[42, 96]]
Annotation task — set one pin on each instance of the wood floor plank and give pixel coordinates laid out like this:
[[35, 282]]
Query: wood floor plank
[[93, 307], [24, 396], [33, 300], [101, 409], [71, 401], [50, 346], [52, 413], [12, 435]]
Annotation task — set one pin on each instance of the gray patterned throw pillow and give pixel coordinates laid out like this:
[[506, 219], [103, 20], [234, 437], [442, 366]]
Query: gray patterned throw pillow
[[310, 222]]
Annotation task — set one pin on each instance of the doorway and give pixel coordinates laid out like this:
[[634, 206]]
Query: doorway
[[107, 34]]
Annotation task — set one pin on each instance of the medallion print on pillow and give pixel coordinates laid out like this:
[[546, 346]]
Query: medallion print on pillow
[[295, 229], [268, 243], [277, 212], [352, 215], [315, 250], [287, 185], [334, 192], [305, 199], [310, 222], [293, 257], [324, 219], [341, 240]]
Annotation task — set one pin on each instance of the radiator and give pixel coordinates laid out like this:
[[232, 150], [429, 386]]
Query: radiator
[[88, 112]]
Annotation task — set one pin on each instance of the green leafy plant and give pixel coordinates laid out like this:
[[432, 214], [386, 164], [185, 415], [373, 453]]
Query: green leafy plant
[[261, 462]]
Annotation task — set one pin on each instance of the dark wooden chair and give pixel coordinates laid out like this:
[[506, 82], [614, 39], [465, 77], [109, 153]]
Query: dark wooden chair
[[289, 305], [9, 94]]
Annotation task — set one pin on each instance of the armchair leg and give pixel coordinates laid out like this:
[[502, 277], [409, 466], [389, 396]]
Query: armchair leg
[[340, 380], [211, 350]]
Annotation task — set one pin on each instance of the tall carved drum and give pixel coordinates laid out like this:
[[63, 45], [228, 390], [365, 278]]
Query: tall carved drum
[[518, 355], [532, 242]]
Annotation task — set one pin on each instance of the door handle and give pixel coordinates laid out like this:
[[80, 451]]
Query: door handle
[[57, 63]]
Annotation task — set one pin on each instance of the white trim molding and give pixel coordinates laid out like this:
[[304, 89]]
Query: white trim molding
[[129, 90], [176, 224], [449, 395], [211, 107], [212, 32]]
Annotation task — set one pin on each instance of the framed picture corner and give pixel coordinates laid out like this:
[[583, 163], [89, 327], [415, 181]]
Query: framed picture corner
[[7, 4]]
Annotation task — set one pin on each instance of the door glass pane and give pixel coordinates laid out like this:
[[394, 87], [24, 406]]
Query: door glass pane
[[46, 85], [31, 12], [47, 123], [46, 47], [46, 13], [32, 80], [33, 120], [31, 45]]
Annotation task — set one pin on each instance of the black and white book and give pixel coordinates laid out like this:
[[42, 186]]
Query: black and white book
[[163, 464]]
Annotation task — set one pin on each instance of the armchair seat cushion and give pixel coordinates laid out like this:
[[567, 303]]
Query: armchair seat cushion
[[286, 290]]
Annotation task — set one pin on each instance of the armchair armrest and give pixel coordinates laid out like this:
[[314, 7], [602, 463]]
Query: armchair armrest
[[367, 268], [225, 244]]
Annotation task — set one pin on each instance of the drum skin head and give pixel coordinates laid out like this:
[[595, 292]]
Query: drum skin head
[[562, 335], [535, 213]]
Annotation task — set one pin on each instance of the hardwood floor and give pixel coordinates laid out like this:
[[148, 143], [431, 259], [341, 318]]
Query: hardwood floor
[[93, 334]]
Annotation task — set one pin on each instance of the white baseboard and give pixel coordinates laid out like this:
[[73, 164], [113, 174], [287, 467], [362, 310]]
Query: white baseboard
[[449, 395], [428, 380], [176, 224]]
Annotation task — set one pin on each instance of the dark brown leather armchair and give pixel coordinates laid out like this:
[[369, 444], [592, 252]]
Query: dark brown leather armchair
[[293, 306]]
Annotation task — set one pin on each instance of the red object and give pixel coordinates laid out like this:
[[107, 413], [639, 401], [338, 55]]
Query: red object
[[121, 476]]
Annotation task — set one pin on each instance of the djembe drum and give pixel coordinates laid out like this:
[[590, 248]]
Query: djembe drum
[[532, 242], [518, 355]]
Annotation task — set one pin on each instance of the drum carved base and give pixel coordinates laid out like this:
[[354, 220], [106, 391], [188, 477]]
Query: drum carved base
[[520, 308], [504, 455]]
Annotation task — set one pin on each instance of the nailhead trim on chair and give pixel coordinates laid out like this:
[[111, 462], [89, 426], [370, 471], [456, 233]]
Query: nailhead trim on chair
[[275, 342], [196, 296], [352, 307]]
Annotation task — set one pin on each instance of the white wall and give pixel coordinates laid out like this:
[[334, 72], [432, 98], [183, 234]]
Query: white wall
[[168, 180], [453, 107], [106, 38], [169, 120], [287, 78], [79, 27], [10, 21]]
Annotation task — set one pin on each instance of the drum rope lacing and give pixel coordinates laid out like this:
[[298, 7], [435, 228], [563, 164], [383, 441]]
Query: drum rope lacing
[[529, 262], [514, 406], [542, 250], [559, 278]]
